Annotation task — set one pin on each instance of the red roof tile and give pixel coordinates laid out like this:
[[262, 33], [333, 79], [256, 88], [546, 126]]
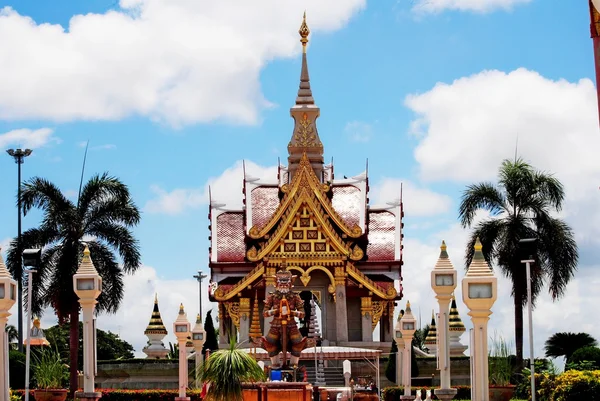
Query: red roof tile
[[381, 235], [230, 237], [264, 202], [346, 201]]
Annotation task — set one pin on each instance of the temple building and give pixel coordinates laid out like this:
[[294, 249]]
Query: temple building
[[345, 252], [156, 331]]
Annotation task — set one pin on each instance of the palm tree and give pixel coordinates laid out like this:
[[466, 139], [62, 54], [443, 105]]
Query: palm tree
[[103, 215], [521, 206], [565, 344], [225, 370], [13, 335]]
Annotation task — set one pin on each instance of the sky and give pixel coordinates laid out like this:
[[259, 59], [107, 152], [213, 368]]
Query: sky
[[172, 95]]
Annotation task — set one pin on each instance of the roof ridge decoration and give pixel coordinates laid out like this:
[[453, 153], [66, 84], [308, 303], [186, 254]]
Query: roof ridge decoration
[[305, 185], [247, 280], [389, 293]]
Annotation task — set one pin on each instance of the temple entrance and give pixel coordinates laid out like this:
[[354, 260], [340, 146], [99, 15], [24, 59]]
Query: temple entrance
[[307, 296]]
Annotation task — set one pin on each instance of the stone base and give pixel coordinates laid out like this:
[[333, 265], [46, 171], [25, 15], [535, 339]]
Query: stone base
[[445, 394], [83, 396]]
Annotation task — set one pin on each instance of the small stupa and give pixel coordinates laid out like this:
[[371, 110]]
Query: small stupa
[[155, 332], [431, 339], [456, 330]]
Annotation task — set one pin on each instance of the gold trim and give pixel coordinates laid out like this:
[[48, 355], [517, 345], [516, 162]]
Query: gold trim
[[244, 308], [305, 275], [253, 275], [366, 306], [378, 308], [356, 274], [233, 310]]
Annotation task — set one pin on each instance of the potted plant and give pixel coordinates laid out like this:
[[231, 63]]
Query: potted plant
[[50, 374], [500, 371], [224, 372]]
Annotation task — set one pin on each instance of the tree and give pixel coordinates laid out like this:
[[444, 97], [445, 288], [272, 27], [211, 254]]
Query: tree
[[108, 345], [390, 367], [13, 336], [565, 344], [419, 338], [586, 356], [104, 215], [521, 206], [212, 342]]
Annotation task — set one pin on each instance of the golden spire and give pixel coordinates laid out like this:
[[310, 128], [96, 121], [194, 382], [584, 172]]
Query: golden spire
[[181, 311], [156, 325], [432, 333], [304, 32], [255, 332], [408, 307], [454, 320], [478, 246], [198, 319], [155, 298]]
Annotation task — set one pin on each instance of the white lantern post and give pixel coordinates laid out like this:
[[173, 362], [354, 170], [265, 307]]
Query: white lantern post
[[443, 283], [8, 293], [198, 339], [87, 284], [181, 327], [400, 345], [408, 329], [480, 290]]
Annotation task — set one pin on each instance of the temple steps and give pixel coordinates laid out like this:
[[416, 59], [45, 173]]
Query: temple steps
[[333, 375]]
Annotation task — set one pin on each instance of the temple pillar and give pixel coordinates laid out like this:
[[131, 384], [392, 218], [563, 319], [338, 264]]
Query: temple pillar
[[341, 311], [222, 325], [387, 324], [366, 311], [244, 320], [269, 287]]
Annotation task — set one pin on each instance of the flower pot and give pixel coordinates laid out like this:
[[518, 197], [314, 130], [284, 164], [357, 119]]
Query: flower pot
[[502, 393], [50, 395]]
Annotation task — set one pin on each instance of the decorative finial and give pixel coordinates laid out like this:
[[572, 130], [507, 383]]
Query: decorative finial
[[181, 311], [443, 247], [478, 246], [155, 298], [304, 32], [443, 251], [408, 307], [198, 318], [86, 251]]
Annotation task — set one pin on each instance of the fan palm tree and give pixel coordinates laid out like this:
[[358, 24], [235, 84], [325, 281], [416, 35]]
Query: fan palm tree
[[104, 215], [521, 206], [565, 344], [225, 370]]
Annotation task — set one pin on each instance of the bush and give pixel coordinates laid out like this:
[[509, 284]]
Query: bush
[[394, 393], [586, 354], [577, 385], [16, 369]]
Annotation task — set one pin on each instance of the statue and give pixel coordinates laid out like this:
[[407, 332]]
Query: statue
[[285, 306]]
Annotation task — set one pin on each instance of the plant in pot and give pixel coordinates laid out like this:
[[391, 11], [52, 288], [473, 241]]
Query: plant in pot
[[50, 374], [500, 370]]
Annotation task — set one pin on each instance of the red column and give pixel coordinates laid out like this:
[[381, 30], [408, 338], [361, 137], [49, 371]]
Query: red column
[[595, 33]]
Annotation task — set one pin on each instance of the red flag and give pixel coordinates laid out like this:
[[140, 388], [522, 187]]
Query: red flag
[[595, 33], [204, 390]]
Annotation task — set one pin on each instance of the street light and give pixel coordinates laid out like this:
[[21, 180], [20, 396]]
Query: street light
[[443, 283], [198, 339], [408, 329], [480, 290], [400, 346], [8, 292], [199, 277], [181, 327], [32, 258], [19, 155], [87, 284], [527, 248]]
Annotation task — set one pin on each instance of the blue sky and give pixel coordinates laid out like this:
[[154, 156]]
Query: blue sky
[[173, 95]]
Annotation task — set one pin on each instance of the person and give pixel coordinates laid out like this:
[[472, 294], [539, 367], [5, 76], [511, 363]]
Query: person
[[284, 306]]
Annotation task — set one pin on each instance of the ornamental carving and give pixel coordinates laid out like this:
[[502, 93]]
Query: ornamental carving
[[244, 308], [233, 310], [378, 308], [305, 134], [366, 307]]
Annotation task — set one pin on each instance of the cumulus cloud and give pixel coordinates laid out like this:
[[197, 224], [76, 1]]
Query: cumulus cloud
[[227, 188], [481, 6], [359, 131], [466, 128], [419, 200], [179, 61], [27, 138]]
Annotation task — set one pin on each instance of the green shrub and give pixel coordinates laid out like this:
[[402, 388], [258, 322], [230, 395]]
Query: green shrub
[[577, 385], [586, 354]]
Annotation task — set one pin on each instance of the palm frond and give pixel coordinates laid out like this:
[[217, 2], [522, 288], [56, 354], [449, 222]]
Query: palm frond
[[565, 344], [479, 196], [112, 277], [98, 189], [41, 193], [119, 238]]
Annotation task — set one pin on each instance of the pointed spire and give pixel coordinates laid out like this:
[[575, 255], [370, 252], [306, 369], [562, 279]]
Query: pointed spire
[[455, 322], [408, 310], [155, 326], [479, 267], [4, 273], [305, 138], [86, 266], [198, 319], [255, 331], [443, 262], [432, 333]]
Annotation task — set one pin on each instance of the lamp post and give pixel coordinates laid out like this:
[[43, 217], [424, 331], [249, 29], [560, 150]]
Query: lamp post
[[87, 284], [479, 290], [181, 327], [528, 252], [8, 293], [19, 155], [407, 323], [198, 339], [443, 283], [200, 277], [32, 259], [400, 345]]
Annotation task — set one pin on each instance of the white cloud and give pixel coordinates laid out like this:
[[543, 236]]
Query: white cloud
[[27, 138], [481, 6], [180, 61], [418, 201], [227, 188], [468, 127], [359, 131]]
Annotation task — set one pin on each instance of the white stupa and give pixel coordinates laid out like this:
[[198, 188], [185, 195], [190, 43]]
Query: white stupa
[[155, 332], [457, 328]]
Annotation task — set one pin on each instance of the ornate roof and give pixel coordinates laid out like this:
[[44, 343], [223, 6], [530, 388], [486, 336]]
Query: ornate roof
[[455, 322], [432, 333], [156, 325]]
